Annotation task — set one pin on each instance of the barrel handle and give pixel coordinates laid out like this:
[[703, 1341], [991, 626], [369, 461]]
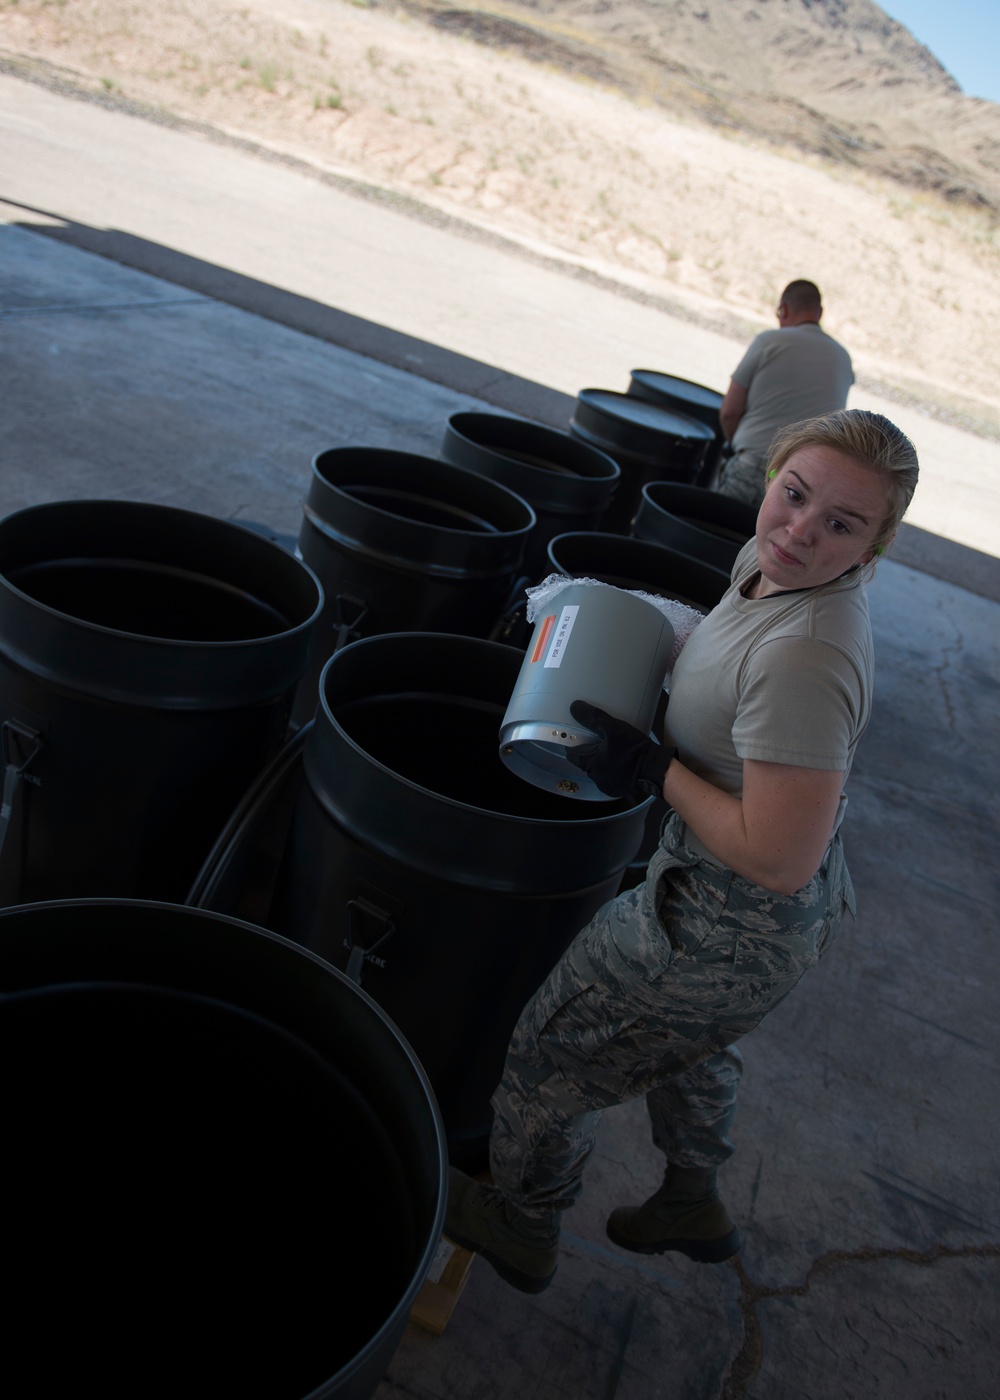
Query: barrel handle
[[368, 927], [348, 615], [21, 747], [508, 614]]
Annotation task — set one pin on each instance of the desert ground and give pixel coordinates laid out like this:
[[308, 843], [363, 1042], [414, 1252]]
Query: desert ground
[[669, 209]]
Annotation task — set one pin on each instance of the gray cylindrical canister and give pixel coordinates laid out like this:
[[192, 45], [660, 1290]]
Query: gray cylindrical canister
[[595, 643]]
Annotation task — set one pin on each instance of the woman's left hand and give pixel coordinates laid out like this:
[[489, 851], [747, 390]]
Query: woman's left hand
[[624, 762]]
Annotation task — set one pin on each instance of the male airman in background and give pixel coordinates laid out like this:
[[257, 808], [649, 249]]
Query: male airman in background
[[795, 372]]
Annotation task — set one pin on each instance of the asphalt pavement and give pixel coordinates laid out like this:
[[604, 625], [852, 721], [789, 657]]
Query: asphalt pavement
[[865, 1180]]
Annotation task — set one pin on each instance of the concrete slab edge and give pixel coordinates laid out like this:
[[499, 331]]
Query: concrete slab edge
[[946, 560]]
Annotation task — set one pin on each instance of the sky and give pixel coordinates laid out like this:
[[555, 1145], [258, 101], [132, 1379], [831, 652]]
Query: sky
[[963, 35]]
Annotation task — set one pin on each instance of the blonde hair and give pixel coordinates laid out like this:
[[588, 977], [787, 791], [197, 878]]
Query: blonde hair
[[870, 439]]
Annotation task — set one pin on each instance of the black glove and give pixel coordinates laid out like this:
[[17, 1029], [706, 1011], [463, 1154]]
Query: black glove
[[624, 761]]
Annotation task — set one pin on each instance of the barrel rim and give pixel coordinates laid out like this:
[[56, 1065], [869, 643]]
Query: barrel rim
[[598, 535], [679, 379], [424, 463], [396, 1319], [196, 913], [423, 566], [270, 547], [596, 454], [699, 495], [100, 662], [585, 399], [625, 813], [661, 523]]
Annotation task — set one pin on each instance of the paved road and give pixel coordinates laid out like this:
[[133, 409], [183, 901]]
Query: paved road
[[284, 228]]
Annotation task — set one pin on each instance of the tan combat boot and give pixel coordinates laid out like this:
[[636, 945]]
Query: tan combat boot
[[686, 1215], [522, 1248]]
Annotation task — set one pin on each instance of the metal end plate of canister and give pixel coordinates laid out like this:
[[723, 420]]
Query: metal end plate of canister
[[537, 752]]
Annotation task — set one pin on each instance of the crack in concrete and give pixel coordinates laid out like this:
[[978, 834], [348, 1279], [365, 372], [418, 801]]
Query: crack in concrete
[[748, 1360], [917, 1194], [934, 1025], [756, 1183], [624, 1338], [948, 653]]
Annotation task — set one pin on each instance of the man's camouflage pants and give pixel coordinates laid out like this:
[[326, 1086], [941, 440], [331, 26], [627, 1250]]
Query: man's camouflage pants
[[743, 478], [649, 999]]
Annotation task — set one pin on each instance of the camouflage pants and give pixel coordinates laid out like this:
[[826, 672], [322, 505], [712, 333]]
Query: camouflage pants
[[743, 477], [649, 999]]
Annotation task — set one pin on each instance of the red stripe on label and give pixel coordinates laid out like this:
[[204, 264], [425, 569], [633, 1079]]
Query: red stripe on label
[[543, 638]]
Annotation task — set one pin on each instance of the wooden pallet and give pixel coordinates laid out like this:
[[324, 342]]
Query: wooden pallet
[[442, 1288]]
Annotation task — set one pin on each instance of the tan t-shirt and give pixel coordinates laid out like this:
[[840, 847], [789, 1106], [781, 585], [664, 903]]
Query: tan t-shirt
[[784, 679], [789, 374]]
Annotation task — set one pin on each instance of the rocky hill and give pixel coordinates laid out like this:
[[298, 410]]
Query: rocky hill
[[835, 78]]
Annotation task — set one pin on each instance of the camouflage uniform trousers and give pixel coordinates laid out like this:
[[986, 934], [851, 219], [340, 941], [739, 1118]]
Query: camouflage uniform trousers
[[743, 477], [649, 999]]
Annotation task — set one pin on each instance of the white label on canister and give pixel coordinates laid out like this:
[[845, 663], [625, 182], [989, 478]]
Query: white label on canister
[[561, 636]]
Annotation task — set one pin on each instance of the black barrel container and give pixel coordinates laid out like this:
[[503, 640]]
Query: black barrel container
[[649, 441], [424, 867], [148, 658], [704, 524], [568, 484], [225, 1166], [696, 400], [403, 542], [639, 565]]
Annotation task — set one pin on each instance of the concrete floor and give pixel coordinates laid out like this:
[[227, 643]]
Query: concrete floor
[[866, 1178]]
